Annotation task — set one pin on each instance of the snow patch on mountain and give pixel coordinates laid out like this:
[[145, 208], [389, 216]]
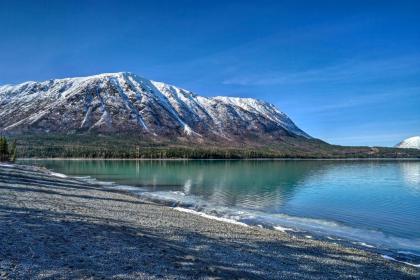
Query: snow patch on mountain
[[410, 143]]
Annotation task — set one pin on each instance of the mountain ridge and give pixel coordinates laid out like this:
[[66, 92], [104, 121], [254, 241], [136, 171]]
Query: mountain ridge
[[122, 115], [123, 101]]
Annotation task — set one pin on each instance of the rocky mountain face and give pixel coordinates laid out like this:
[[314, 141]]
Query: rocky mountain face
[[126, 103], [410, 143]]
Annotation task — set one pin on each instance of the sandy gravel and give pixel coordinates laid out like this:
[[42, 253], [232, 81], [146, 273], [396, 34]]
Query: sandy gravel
[[63, 228]]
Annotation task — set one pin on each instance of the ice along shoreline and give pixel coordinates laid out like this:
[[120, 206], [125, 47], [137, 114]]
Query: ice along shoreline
[[84, 221]]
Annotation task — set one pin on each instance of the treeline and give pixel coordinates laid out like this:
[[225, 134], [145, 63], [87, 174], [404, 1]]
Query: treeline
[[125, 147], [6, 153], [99, 146], [145, 152], [130, 152]]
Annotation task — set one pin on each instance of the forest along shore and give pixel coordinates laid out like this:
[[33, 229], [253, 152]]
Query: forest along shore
[[56, 226]]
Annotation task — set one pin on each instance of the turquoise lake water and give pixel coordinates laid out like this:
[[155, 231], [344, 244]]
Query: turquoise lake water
[[376, 202]]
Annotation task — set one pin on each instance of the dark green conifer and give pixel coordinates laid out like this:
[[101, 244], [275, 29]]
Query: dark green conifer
[[13, 151], [4, 149]]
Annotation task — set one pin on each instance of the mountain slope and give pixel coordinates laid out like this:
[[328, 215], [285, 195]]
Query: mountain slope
[[126, 103], [125, 116], [410, 143]]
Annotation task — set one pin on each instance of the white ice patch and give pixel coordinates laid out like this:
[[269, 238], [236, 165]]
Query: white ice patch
[[60, 175], [364, 244], [127, 188], [282, 222], [395, 260], [283, 229], [204, 215]]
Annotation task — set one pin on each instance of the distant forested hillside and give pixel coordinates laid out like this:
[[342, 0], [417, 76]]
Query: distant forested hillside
[[126, 146]]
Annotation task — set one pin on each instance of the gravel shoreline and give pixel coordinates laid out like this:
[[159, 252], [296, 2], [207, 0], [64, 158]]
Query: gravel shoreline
[[64, 228]]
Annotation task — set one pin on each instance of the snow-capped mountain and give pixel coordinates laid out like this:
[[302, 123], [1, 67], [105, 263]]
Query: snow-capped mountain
[[410, 143], [126, 103]]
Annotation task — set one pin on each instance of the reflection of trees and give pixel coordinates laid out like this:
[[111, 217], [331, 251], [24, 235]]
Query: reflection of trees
[[253, 184], [250, 184]]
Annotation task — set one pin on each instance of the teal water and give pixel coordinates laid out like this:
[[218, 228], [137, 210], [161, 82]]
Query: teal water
[[376, 202]]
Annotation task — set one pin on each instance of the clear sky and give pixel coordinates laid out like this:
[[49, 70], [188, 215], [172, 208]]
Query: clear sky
[[347, 72]]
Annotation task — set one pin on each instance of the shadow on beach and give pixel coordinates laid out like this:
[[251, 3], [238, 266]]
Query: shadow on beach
[[58, 228]]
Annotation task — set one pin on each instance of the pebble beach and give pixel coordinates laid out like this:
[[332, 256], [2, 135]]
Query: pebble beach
[[58, 227]]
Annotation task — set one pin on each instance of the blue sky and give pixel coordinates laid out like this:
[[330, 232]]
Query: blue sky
[[347, 72]]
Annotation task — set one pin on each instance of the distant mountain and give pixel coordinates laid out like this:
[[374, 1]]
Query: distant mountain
[[410, 143], [126, 103]]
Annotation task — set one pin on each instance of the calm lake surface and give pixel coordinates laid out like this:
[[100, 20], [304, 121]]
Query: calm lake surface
[[374, 202]]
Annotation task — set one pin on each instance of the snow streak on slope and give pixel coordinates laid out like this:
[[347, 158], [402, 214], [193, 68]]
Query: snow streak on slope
[[124, 102]]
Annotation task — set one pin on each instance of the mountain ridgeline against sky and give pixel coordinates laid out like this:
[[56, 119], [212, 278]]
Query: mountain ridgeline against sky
[[124, 102], [410, 143], [124, 115]]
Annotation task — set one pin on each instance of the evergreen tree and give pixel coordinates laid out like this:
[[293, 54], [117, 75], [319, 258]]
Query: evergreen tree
[[13, 151], [4, 149], [1, 148]]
